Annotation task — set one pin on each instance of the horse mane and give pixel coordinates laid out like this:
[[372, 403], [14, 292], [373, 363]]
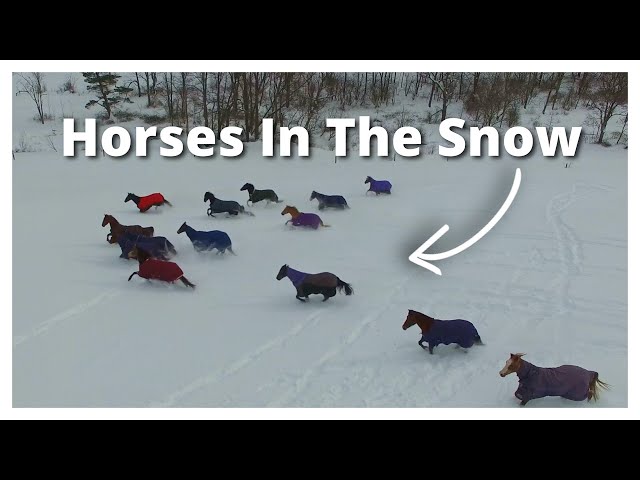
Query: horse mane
[[426, 318]]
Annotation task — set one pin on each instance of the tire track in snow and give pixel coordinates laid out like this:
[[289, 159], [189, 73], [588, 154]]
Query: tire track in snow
[[238, 365], [72, 312], [298, 385]]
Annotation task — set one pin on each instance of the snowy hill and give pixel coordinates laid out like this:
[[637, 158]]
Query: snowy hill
[[549, 280]]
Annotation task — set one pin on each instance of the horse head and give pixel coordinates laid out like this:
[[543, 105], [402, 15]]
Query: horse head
[[107, 219], [129, 197], [249, 187], [411, 319], [289, 209], [183, 227], [368, 180], [313, 195], [282, 272], [512, 365], [208, 196]]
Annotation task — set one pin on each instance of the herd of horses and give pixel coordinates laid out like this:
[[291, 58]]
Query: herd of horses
[[154, 254]]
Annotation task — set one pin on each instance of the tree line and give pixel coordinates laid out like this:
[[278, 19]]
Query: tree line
[[220, 99]]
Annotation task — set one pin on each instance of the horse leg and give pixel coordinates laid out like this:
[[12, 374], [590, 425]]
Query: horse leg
[[187, 282], [328, 294]]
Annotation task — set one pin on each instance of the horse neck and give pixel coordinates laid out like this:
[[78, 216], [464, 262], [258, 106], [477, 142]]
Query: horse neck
[[251, 189], [135, 198], [113, 222], [189, 230], [294, 212], [424, 322], [526, 369]]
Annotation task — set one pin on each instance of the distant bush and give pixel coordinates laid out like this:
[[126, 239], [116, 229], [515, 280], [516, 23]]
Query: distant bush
[[68, 86], [47, 117], [153, 118], [23, 145], [124, 115]]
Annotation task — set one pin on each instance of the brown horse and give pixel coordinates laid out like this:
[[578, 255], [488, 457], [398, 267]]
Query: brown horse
[[567, 381], [300, 219], [436, 332], [118, 229], [154, 269]]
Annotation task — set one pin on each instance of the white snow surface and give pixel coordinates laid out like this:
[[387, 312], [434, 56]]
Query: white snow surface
[[549, 280]]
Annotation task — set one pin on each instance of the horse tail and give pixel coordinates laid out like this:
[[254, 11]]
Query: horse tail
[[167, 202], [247, 213], [324, 224], [348, 289], [231, 250], [170, 248], [131, 276], [595, 386], [478, 340]]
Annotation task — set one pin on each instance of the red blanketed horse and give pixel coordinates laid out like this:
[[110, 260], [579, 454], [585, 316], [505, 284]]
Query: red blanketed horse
[[148, 201], [154, 269]]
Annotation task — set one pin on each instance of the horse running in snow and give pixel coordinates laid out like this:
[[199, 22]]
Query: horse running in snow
[[567, 381], [223, 206], [256, 196], [157, 247], [206, 241], [299, 219], [154, 269], [329, 201], [378, 186], [436, 332], [325, 283], [118, 229], [146, 202]]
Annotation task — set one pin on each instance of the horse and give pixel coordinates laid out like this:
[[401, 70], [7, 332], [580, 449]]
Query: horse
[[378, 186], [157, 247], [145, 203], [436, 332], [256, 196], [206, 241], [154, 269], [325, 283], [118, 229], [223, 206], [299, 219], [329, 201], [567, 381]]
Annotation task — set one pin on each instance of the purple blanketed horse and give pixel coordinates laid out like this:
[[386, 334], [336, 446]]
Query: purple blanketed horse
[[378, 186]]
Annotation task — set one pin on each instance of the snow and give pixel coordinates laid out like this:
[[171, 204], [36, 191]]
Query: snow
[[549, 280]]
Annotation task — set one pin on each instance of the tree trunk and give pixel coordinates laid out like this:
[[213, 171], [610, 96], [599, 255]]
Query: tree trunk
[[138, 84], [623, 127], [146, 76]]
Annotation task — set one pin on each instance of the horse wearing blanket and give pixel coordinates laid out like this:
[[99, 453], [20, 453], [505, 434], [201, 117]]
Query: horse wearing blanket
[[325, 283], [436, 332], [567, 381]]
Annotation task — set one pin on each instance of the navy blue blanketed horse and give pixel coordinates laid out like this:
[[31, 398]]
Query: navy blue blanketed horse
[[229, 207], [206, 241], [329, 201], [157, 247], [437, 332]]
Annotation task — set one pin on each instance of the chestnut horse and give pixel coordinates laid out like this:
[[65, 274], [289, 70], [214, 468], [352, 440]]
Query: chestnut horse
[[118, 229], [567, 381], [154, 269], [436, 332], [299, 219]]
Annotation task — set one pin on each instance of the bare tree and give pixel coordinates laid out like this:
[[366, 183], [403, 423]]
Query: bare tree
[[33, 85], [609, 92]]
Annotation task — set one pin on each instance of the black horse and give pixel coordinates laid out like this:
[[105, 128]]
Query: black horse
[[223, 206], [325, 283], [256, 196]]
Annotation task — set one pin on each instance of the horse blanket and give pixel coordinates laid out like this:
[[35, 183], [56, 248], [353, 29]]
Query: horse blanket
[[335, 201], [203, 241], [149, 201], [153, 269], [296, 277], [445, 332], [157, 247], [567, 381], [307, 220], [380, 186], [228, 206]]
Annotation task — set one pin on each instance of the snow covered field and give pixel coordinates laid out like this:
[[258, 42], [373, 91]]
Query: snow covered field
[[549, 280]]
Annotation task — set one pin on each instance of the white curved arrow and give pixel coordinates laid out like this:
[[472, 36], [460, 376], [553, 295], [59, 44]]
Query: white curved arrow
[[419, 257]]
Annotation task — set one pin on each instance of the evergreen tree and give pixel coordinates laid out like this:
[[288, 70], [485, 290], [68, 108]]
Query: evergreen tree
[[105, 88]]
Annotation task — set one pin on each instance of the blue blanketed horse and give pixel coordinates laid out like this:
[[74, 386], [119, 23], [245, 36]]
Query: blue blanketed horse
[[378, 186], [437, 332], [206, 241], [157, 247], [329, 201]]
